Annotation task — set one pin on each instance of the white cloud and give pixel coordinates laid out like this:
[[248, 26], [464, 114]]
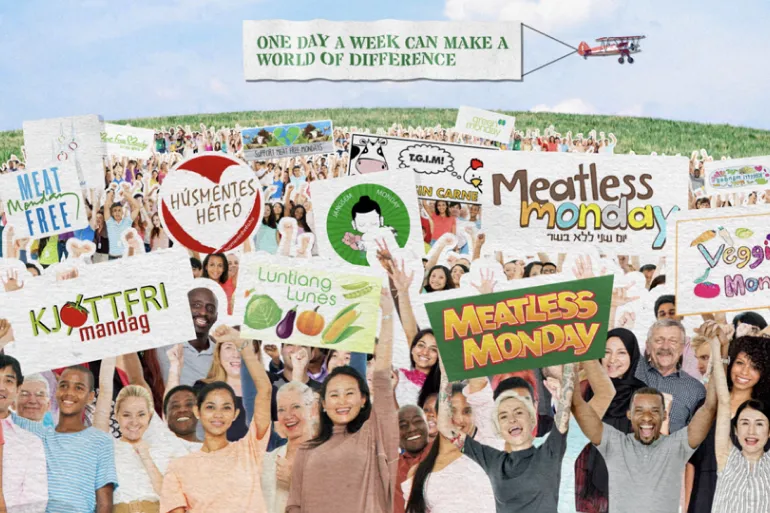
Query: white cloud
[[541, 14], [570, 106], [633, 111]]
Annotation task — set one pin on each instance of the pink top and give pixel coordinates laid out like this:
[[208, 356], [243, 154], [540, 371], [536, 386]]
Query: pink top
[[442, 225], [25, 477], [351, 473]]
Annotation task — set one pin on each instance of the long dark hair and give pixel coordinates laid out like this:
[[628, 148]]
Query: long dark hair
[[446, 211], [269, 219], [326, 427], [754, 404], [154, 378], [416, 502], [155, 231], [529, 266], [302, 222], [225, 273], [449, 283], [757, 350], [431, 386], [417, 337]]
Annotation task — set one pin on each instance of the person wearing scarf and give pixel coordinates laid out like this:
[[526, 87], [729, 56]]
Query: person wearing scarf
[[591, 477]]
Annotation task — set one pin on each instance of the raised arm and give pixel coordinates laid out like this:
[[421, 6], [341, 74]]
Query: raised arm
[[722, 442], [445, 426], [108, 199], [568, 380], [176, 361], [132, 366], [701, 422], [601, 384], [590, 423], [402, 282], [104, 401]]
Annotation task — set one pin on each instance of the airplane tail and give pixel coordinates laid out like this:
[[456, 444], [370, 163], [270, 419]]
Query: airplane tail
[[583, 49]]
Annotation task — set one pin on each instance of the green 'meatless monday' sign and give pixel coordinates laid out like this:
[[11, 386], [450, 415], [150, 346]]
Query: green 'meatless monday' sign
[[522, 329]]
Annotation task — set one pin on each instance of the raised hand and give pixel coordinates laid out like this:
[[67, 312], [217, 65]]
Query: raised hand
[[271, 350], [488, 282], [627, 320], [583, 268], [620, 296], [400, 279], [67, 274], [299, 360], [175, 355], [5, 327], [11, 281]]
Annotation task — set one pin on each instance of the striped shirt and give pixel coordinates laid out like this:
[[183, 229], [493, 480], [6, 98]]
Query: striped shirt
[[688, 392], [78, 465], [742, 489]]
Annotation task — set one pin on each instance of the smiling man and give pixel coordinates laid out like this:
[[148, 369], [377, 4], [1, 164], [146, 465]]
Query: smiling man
[[198, 352], [178, 411], [33, 401], [413, 440], [81, 460]]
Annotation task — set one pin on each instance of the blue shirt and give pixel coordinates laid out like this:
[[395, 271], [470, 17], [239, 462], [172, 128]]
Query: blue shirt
[[78, 465], [86, 233], [115, 233]]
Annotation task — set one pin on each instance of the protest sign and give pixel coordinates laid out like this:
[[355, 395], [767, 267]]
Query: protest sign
[[40, 202], [554, 200], [358, 212], [110, 309], [737, 175], [485, 124], [73, 139], [382, 50], [211, 203], [128, 141], [528, 328], [309, 304], [722, 259], [291, 140]]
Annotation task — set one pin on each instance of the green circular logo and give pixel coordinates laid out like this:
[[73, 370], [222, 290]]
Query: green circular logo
[[361, 216]]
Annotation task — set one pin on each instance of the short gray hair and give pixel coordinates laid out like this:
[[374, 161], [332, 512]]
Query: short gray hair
[[305, 392], [666, 323], [38, 378]]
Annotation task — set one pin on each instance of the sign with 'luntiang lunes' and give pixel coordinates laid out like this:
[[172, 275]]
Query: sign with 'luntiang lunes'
[[522, 329], [113, 308], [555, 200]]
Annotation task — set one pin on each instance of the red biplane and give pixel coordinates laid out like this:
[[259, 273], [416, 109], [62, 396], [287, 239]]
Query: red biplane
[[622, 46]]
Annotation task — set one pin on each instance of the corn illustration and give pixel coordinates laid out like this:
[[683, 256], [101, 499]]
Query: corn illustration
[[341, 326]]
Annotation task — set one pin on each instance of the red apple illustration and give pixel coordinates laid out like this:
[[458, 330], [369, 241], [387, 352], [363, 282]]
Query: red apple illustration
[[707, 290]]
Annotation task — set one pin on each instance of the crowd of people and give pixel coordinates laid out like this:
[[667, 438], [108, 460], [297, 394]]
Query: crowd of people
[[675, 421]]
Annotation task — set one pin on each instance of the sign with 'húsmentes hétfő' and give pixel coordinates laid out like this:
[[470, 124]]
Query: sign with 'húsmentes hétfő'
[[722, 259], [113, 308], [737, 175], [382, 50], [290, 140], [554, 200], [527, 328], [44, 202], [485, 124]]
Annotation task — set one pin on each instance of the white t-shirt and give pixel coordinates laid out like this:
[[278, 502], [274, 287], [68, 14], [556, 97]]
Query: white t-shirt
[[464, 475]]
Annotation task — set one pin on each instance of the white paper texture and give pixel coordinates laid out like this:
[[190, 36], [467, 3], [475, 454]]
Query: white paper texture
[[737, 175], [485, 124], [128, 141]]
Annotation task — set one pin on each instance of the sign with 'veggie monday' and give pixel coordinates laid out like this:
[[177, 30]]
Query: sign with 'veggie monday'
[[485, 124], [44, 202], [110, 309], [722, 259], [522, 329], [382, 50], [299, 302]]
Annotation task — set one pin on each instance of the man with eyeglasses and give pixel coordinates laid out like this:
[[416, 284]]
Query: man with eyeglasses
[[661, 368]]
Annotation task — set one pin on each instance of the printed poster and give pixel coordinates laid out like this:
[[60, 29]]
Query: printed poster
[[722, 259], [555, 200], [391, 50], [43, 202], [485, 124], [128, 141], [737, 175], [526, 328], [354, 214], [75, 139], [308, 303], [113, 308], [292, 140]]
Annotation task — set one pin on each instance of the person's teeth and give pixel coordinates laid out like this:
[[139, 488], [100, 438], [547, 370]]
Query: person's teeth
[[415, 437], [182, 419]]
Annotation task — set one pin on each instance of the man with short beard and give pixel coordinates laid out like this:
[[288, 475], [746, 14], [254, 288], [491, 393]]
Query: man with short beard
[[413, 440], [661, 369], [646, 468]]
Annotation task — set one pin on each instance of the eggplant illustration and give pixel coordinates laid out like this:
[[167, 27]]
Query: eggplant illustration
[[286, 326]]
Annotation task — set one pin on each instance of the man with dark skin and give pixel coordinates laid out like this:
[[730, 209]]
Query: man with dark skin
[[413, 439], [178, 411], [81, 460]]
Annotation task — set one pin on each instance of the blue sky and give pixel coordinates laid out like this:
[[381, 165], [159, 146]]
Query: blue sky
[[702, 61]]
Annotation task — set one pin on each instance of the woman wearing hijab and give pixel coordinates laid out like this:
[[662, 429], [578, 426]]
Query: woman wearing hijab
[[621, 357]]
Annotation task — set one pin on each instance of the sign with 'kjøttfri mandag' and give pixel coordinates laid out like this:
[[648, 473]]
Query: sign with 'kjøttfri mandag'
[[382, 50], [522, 329]]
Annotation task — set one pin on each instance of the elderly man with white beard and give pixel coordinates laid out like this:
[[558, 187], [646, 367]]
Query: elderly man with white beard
[[661, 368]]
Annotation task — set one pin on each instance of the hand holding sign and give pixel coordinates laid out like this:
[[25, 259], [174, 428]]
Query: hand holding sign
[[299, 360]]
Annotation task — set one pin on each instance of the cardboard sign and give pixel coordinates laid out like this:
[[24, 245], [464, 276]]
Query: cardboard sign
[[382, 50], [74, 139], [111, 309], [485, 124], [722, 259], [128, 141], [522, 329], [211, 203], [278, 141], [737, 175], [359, 211], [44, 202], [308, 303], [555, 200]]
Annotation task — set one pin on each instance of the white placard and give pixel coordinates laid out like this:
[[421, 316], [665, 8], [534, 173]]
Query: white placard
[[382, 50], [40, 202], [128, 141], [722, 259], [737, 175], [485, 124], [117, 307]]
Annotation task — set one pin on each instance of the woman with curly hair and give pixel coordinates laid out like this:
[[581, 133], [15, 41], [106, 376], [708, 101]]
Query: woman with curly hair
[[748, 377]]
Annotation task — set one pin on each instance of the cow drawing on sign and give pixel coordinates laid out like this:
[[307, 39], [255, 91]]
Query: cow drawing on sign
[[370, 156]]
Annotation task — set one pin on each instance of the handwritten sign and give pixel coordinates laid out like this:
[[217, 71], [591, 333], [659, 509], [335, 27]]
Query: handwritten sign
[[737, 175], [527, 328], [128, 141], [277, 141], [44, 202]]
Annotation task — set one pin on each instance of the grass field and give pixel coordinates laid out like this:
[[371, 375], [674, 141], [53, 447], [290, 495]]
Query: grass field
[[642, 135]]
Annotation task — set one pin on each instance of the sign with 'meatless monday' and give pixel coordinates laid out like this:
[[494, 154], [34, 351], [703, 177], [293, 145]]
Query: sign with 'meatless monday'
[[522, 329]]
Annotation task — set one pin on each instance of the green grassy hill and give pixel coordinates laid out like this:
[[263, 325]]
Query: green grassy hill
[[642, 135]]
